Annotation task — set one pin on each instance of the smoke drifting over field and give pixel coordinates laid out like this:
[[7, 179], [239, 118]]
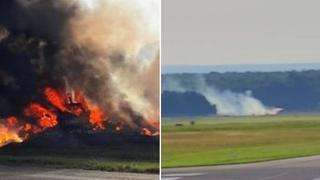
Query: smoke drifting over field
[[226, 102], [105, 49]]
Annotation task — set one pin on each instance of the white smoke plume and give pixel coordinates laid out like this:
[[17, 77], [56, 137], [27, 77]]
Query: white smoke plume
[[124, 38], [226, 101]]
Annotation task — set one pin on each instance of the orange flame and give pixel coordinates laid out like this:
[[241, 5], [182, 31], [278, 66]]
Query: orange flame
[[45, 118], [27, 127], [147, 132], [97, 117], [13, 130], [54, 98], [12, 121], [7, 136], [154, 125]]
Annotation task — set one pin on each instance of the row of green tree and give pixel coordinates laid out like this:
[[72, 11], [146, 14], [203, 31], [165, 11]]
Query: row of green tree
[[297, 91]]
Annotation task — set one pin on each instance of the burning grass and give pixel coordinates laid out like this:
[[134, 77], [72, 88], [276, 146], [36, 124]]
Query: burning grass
[[15, 129], [230, 140], [77, 134], [125, 157]]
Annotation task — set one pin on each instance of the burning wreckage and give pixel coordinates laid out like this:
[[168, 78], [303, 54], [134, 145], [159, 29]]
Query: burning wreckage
[[68, 71]]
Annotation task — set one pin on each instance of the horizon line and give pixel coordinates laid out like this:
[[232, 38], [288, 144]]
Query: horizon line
[[201, 68]]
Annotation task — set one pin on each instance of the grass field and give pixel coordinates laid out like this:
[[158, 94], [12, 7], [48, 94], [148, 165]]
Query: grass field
[[230, 140], [124, 158]]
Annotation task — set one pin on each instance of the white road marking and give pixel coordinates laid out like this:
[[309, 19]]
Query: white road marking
[[87, 175], [171, 178], [62, 177], [183, 174], [179, 176], [274, 176]]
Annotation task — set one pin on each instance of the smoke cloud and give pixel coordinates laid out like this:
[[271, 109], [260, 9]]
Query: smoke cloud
[[226, 102]]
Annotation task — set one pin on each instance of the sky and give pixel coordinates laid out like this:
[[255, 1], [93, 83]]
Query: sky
[[220, 32]]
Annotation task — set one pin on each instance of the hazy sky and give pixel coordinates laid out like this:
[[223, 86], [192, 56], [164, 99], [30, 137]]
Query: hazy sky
[[240, 31]]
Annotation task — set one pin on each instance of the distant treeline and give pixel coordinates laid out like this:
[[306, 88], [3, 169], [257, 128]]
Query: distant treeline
[[185, 104], [291, 90]]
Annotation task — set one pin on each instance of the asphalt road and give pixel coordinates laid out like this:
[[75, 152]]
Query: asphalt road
[[306, 168], [31, 173]]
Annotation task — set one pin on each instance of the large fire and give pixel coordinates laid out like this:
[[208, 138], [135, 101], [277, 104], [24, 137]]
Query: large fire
[[16, 129], [45, 118], [8, 136], [71, 70]]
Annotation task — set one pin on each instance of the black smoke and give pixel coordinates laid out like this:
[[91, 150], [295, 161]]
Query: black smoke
[[32, 32]]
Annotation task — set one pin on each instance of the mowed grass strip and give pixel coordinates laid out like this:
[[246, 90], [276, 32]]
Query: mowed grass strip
[[122, 158], [231, 140]]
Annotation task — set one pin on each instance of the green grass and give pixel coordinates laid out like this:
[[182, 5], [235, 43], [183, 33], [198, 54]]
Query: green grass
[[124, 158], [231, 140]]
